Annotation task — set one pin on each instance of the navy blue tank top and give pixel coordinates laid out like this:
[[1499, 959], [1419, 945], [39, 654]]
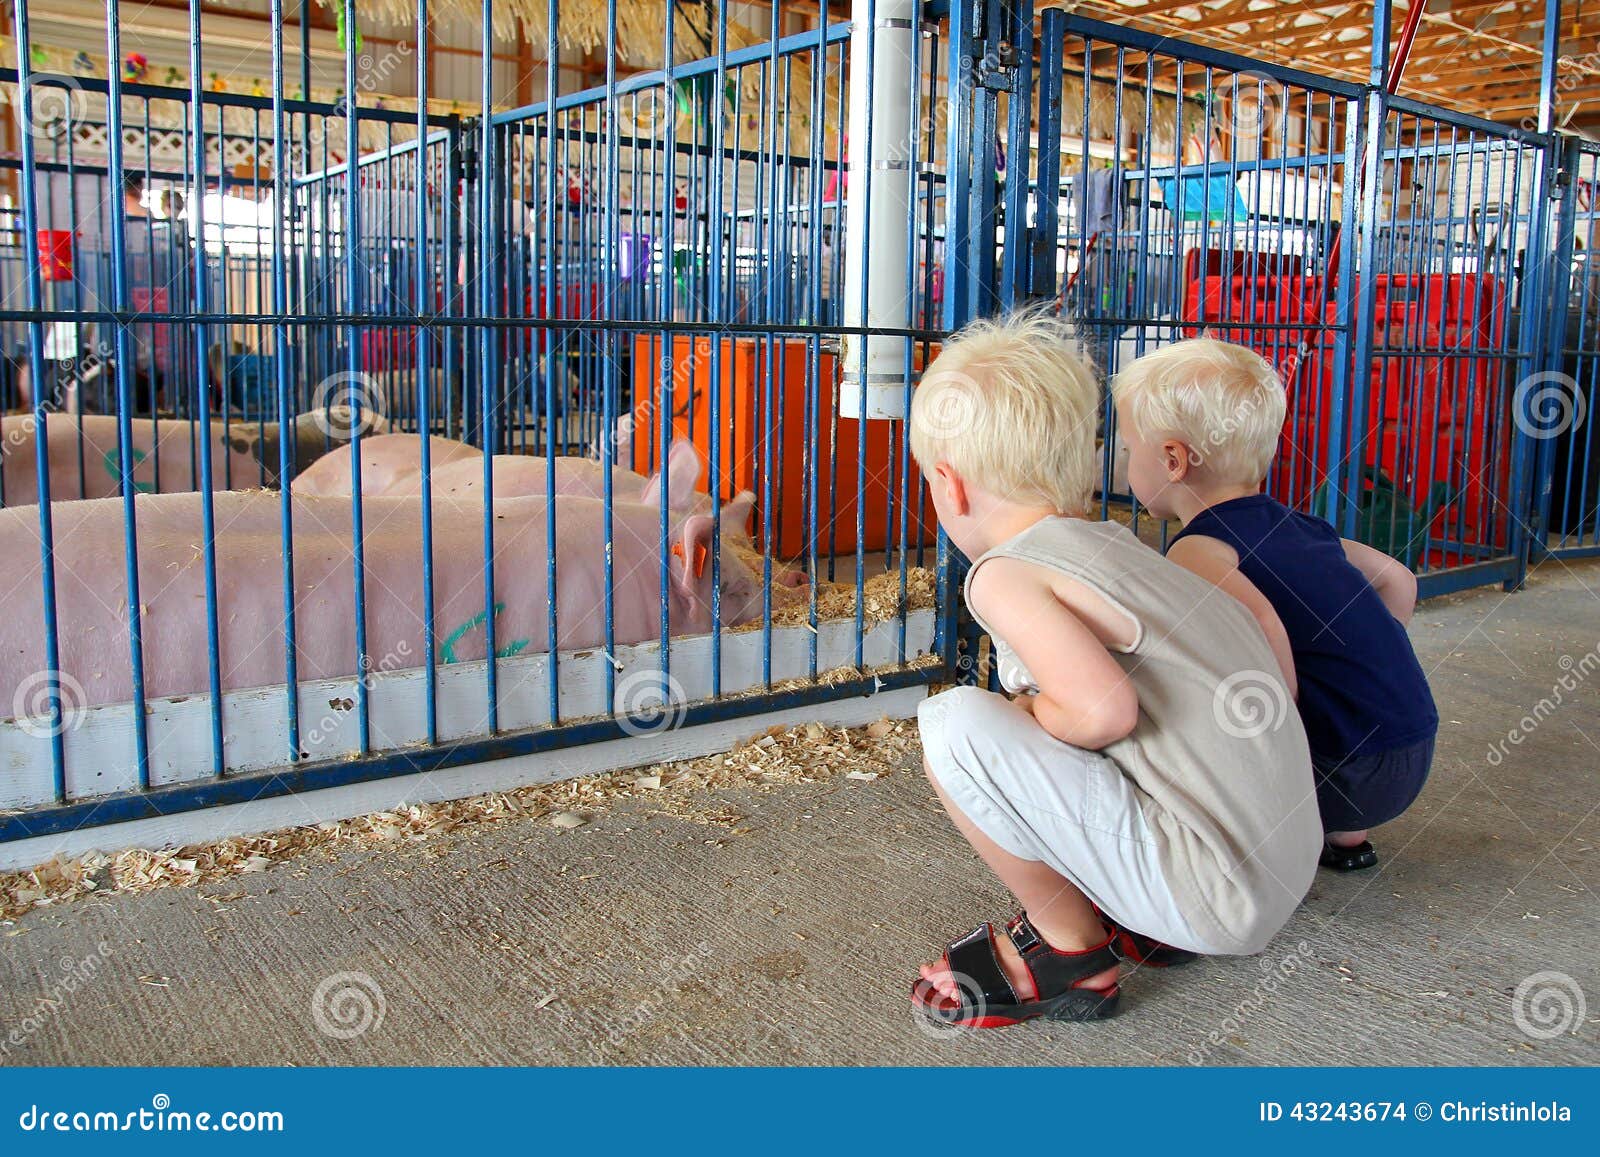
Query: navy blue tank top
[[1361, 687]]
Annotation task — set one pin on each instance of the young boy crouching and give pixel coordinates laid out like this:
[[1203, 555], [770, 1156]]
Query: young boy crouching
[[1201, 420], [1115, 795]]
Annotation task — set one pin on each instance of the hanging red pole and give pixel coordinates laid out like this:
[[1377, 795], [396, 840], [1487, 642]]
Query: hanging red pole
[[1402, 48], [1391, 85]]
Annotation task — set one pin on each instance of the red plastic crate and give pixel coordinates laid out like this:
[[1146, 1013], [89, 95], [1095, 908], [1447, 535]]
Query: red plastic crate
[[1433, 410]]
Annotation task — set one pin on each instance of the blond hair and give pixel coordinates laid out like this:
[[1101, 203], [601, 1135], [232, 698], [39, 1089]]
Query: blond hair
[[1011, 404], [1224, 401]]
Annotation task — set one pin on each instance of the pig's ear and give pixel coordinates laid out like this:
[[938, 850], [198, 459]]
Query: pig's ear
[[736, 513], [683, 475], [691, 554]]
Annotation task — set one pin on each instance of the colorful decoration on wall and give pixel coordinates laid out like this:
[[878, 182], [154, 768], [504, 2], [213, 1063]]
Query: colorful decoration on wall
[[83, 64], [134, 67], [339, 27], [217, 83]]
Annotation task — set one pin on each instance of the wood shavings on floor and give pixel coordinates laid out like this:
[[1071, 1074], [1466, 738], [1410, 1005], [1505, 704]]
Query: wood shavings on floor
[[802, 754], [881, 602]]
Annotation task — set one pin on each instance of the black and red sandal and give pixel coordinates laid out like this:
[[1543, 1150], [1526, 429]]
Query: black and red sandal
[[989, 1001], [1137, 948]]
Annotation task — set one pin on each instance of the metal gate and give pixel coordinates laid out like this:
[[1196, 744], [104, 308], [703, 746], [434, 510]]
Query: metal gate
[[1378, 252], [1558, 404]]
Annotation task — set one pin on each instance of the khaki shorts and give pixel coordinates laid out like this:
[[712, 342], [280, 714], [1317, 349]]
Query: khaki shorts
[[1047, 801]]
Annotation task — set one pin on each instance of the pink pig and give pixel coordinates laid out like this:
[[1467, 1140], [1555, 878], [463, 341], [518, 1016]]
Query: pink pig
[[86, 461], [391, 465], [92, 625]]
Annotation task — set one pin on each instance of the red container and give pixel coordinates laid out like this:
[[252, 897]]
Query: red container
[[744, 370], [1436, 408], [55, 254]]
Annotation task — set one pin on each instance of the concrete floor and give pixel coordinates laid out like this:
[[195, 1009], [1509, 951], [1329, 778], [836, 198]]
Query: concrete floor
[[793, 938]]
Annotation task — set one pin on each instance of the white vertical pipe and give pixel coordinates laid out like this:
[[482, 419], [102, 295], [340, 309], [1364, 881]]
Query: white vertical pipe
[[876, 216]]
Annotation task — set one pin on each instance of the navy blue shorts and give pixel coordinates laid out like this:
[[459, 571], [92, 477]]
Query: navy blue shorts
[[1363, 791]]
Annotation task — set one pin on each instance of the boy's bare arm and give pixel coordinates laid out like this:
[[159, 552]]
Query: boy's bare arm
[[1084, 697], [1218, 563], [1390, 577]]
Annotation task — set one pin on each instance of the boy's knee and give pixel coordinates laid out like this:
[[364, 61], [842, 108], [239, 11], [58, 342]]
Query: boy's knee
[[957, 711]]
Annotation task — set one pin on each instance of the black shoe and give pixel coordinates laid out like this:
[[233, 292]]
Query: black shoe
[[1352, 859]]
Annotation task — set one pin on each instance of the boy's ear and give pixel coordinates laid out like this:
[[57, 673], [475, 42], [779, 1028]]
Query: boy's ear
[[1177, 460], [953, 488]]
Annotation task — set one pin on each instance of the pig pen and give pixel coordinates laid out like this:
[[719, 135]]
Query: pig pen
[[377, 717], [418, 268]]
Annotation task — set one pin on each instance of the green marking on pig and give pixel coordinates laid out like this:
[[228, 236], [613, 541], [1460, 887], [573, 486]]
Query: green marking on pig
[[113, 464], [447, 649]]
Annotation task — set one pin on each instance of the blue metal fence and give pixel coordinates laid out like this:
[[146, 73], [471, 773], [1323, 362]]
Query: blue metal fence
[[583, 288]]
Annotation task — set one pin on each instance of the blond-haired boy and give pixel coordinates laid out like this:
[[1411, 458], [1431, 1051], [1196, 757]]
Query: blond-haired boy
[[1201, 420], [1117, 796]]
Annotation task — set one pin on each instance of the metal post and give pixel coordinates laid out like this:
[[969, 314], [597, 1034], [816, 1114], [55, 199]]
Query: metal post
[[1544, 314]]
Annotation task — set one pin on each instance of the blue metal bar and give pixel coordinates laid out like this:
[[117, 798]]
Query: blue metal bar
[[202, 286], [606, 439], [35, 299], [424, 365], [1529, 459], [1046, 230], [716, 129], [355, 381], [489, 272], [1371, 177], [125, 400], [1014, 283]]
